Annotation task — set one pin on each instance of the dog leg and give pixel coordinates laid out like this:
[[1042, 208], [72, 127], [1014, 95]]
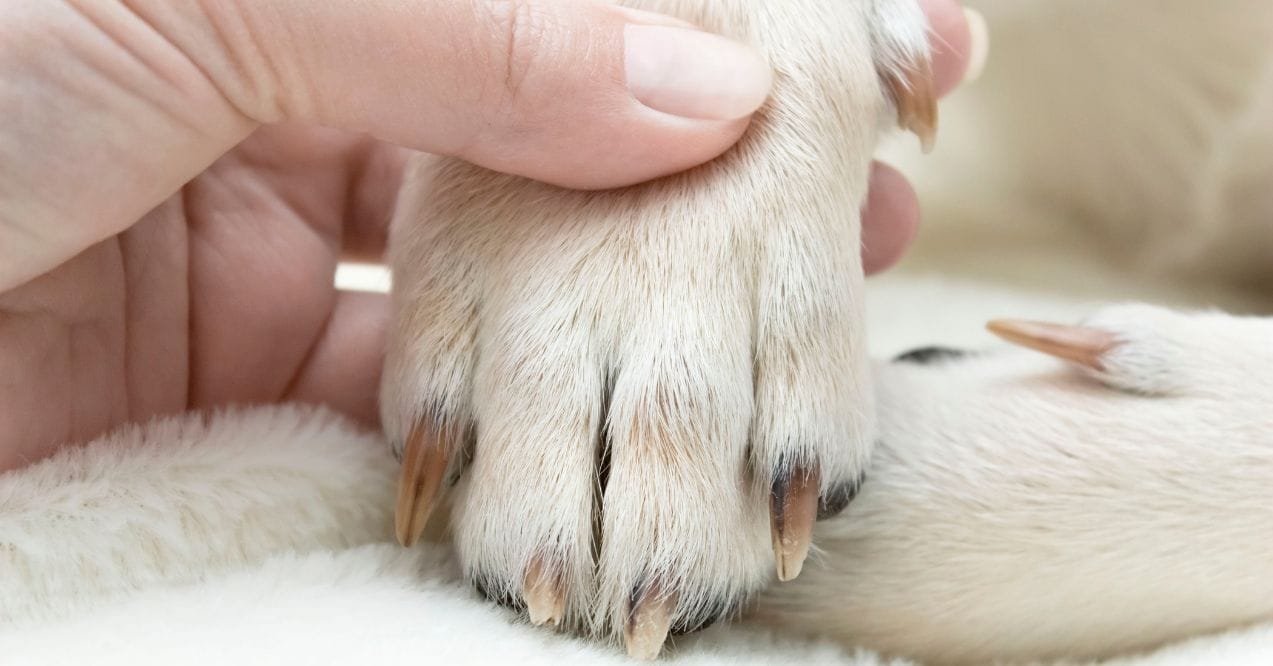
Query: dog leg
[[1022, 508]]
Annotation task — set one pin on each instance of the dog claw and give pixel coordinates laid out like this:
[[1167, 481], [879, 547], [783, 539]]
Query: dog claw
[[915, 94], [649, 621], [793, 507], [1076, 344], [424, 462], [542, 591]]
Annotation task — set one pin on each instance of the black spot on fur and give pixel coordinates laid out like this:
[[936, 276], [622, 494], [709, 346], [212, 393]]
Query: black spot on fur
[[704, 617], [506, 599], [930, 355]]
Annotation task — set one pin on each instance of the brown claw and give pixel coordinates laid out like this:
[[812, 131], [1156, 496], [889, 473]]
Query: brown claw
[[424, 462], [915, 94], [542, 591], [649, 621], [793, 507], [1077, 344]]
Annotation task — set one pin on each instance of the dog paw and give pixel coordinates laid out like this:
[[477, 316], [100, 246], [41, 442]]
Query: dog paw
[[1152, 350], [643, 427], [642, 400]]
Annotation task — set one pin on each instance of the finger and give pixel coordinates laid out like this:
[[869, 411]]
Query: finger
[[373, 193], [103, 120], [342, 184], [890, 219], [951, 42], [342, 370], [575, 92]]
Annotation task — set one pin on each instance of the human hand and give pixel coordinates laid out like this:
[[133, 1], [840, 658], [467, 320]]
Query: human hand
[[891, 216], [173, 204]]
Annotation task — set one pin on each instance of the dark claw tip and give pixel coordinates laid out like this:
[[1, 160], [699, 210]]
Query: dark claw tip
[[838, 497]]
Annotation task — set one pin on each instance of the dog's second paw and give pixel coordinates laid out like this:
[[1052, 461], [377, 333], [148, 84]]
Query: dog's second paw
[[1157, 351]]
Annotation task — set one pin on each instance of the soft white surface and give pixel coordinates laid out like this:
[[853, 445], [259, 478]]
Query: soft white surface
[[258, 537], [263, 537]]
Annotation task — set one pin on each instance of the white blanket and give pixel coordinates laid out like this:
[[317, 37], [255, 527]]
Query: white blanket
[[264, 537]]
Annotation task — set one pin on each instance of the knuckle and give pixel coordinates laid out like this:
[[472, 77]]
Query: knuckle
[[521, 42]]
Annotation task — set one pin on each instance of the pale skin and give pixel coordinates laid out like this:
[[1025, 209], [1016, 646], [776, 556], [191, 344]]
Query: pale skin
[[179, 179]]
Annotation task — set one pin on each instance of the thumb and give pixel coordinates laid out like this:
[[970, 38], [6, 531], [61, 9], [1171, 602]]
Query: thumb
[[111, 107], [575, 92]]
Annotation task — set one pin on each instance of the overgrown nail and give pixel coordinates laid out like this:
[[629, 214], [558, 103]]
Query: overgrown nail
[[793, 507], [424, 462]]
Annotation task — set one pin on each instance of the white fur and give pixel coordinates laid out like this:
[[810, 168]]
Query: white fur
[[1018, 509], [182, 498]]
